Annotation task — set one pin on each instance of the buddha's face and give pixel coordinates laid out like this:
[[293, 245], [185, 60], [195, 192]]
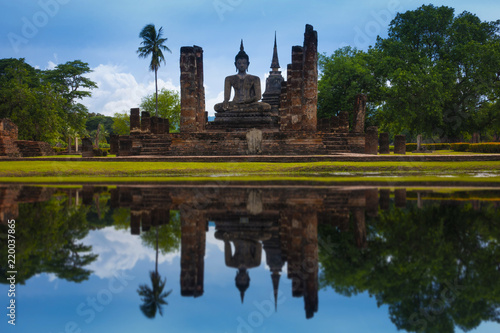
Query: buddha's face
[[241, 65]]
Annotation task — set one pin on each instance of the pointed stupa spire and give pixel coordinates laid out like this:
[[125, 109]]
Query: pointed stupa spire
[[275, 65], [241, 46], [276, 281]]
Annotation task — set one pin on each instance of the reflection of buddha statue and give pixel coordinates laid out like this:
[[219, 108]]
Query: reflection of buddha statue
[[247, 91]]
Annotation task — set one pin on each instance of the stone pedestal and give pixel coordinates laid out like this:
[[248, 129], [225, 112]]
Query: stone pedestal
[[113, 143], [383, 142], [371, 140], [400, 144]]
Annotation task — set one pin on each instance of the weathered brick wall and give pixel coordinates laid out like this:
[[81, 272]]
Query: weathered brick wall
[[34, 148], [8, 137], [298, 111]]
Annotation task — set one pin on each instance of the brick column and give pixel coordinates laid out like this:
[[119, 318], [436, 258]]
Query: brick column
[[192, 90], [358, 124], [135, 120], [145, 122], [371, 140], [400, 144], [87, 148], [383, 142], [310, 82], [154, 125]]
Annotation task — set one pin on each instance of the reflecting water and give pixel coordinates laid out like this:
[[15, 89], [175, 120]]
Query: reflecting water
[[252, 259]]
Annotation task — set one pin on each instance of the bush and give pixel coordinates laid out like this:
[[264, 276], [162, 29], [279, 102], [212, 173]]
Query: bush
[[430, 146], [59, 149], [460, 146], [490, 147], [100, 152]]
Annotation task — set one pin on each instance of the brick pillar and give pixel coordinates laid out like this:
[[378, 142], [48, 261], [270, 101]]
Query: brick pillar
[[295, 87], [114, 143], [87, 148], [284, 110], [400, 144], [135, 120], [310, 80], [371, 140], [200, 91], [154, 125], [383, 142], [192, 90], [343, 121], [358, 124], [161, 126], [145, 122]]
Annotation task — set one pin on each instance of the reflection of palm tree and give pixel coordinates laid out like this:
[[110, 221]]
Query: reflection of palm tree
[[153, 298]]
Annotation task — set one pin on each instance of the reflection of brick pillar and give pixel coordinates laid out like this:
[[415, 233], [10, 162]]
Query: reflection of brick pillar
[[145, 122], [383, 142], [385, 199], [310, 83], [192, 90], [360, 227], [371, 140], [400, 144], [193, 239], [400, 197], [135, 223], [371, 198], [135, 120], [358, 124]]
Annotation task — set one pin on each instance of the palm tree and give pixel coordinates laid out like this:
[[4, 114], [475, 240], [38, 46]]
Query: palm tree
[[153, 298], [153, 45]]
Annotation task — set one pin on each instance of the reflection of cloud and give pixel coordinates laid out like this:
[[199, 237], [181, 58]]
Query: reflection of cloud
[[119, 91], [119, 250]]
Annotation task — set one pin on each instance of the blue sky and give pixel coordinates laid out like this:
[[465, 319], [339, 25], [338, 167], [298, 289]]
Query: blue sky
[[105, 34]]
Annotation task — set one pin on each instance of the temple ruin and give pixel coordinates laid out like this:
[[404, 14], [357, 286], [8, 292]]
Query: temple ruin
[[283, 123]]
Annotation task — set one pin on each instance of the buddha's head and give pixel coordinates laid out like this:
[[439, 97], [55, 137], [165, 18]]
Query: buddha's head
[[241, 61]]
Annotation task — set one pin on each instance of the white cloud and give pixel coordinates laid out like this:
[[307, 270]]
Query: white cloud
[[118, 250], [118, 91]]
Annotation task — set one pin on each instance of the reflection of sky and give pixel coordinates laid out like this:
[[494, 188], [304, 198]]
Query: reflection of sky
[[51, 305]]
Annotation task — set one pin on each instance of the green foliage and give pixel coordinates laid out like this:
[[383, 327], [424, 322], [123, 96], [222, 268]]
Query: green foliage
[[47, 240], [415, 256], [153, 45], [491, 147], [460, 146], [43, 104], [93, 120], [121, 123], [441, 71], [169, 107], [429, 146]]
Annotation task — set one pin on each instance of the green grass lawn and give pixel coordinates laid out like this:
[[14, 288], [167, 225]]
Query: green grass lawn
[[64, 171]]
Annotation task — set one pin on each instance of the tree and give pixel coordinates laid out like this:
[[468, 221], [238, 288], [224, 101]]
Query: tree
[[153, 45], [344, 74], [440, 70], [167, 104], [121, 123]]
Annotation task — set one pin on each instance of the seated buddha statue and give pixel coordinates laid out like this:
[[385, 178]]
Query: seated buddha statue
[[247, 91]]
